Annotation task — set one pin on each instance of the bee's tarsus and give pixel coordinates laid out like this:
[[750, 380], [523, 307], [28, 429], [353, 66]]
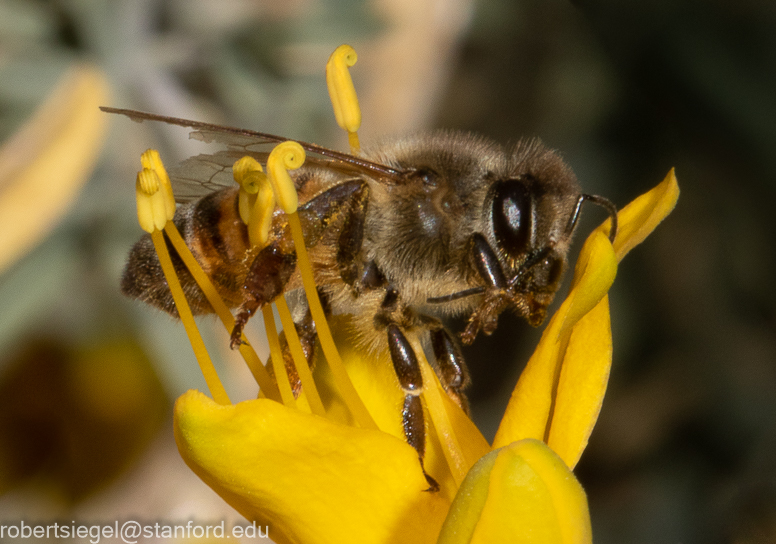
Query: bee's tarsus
[[235, 340], [433, 485]]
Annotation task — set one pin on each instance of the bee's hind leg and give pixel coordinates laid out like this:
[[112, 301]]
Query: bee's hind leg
[[266, 280], [305, 330]]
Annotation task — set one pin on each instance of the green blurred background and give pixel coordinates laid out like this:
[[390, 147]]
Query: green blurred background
[[685, 449]]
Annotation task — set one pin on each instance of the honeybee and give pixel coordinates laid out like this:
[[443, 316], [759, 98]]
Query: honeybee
[[415, 229]]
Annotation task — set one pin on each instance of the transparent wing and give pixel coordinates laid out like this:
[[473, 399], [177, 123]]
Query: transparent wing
[[202, 174]]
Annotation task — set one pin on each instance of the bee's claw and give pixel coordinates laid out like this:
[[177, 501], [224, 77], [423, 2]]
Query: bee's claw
[[236, 340], [470, 332], [433, 485]]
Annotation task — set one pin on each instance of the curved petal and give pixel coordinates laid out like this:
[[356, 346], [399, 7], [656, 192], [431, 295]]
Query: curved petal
[[582, 384], [558, 397], [588, 357], [530, 408], [308, 479], [639, 218], [522, 493]]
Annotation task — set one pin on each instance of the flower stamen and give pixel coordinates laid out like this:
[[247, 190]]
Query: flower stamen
[[300, 361], [276, 353], [343, 94], [156, 208], [290, 155], [256, 200], [266, 383]]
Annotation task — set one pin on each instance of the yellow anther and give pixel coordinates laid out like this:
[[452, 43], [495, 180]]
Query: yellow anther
[[148, 180], [243, 166], [285, 156], [249, 175], [256, 199], [151, 160], [342, 92], [252, 181], [151, 209]]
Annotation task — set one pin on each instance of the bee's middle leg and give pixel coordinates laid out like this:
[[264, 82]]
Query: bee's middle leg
[[407, 368], [267, 278], [449, 363]]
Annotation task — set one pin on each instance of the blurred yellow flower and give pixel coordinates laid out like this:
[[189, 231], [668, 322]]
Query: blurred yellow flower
[[43, 166]]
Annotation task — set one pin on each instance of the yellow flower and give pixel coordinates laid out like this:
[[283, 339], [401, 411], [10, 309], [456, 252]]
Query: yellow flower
[[315, 479], [44, 165]]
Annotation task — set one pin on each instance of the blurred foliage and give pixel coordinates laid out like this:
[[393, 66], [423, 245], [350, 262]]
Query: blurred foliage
[[685, 450]]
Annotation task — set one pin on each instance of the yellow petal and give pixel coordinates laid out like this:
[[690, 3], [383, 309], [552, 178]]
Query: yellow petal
[[639, 218], [559, 395], [522, 493], [530, 408], [375, 379], [582, 384], [44, 165], [594, 274], [309, 479], [469, 502]]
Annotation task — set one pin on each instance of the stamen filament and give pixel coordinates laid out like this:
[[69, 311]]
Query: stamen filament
[[355, 145], [195, 339], [302, 367], [278, 363], [436, 409], [340, 375], [260, 374]]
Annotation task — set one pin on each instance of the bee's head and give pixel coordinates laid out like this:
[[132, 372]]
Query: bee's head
[[521, 253], [529, 211]]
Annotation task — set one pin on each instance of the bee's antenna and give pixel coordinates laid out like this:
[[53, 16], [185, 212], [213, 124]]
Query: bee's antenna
[[600, 201], [455, 296]]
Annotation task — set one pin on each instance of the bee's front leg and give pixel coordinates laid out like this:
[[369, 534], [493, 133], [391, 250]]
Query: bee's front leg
[[496, 299], [267, 278]]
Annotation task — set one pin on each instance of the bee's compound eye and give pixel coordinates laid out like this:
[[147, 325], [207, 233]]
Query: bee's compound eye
[[512, 216]]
